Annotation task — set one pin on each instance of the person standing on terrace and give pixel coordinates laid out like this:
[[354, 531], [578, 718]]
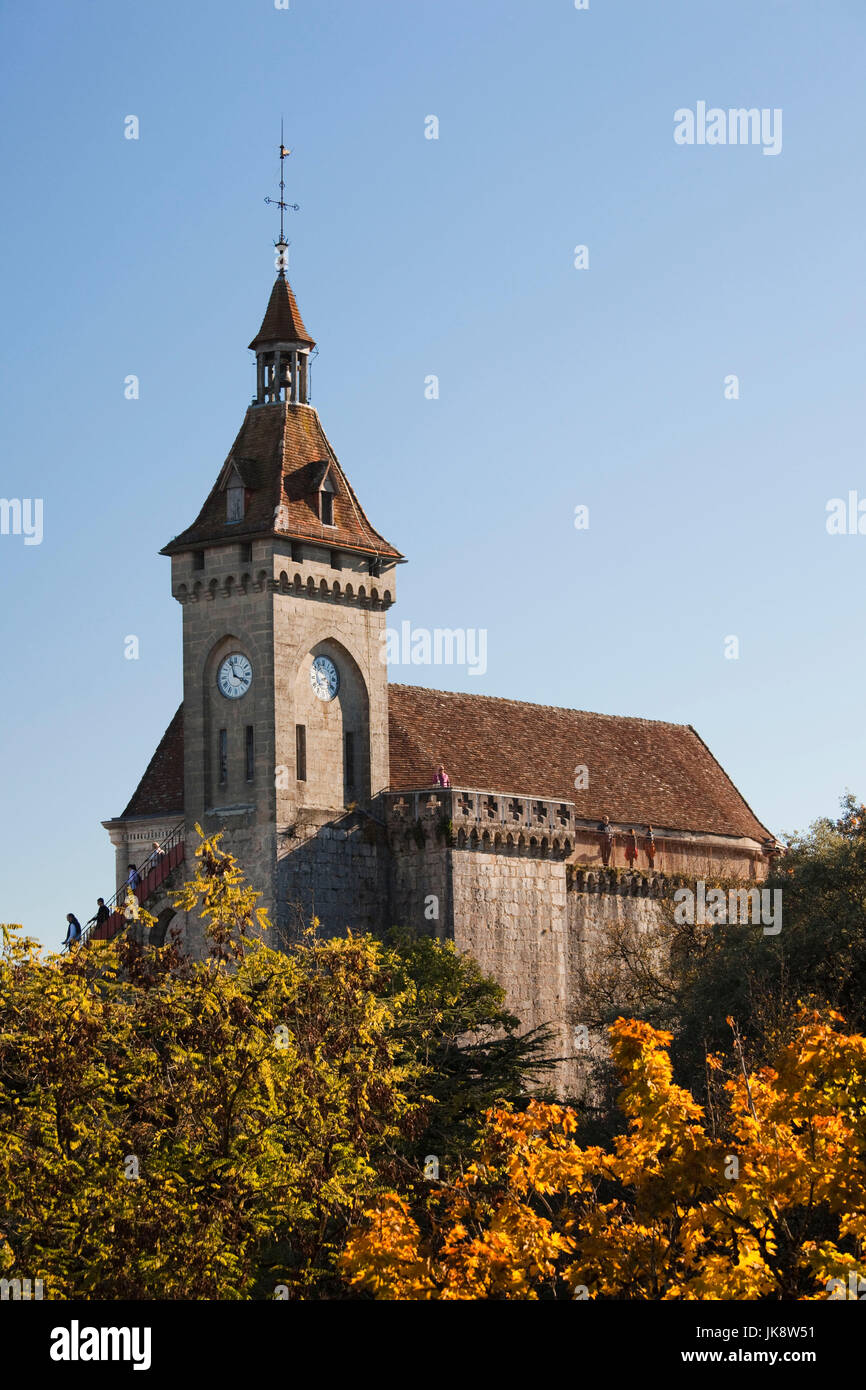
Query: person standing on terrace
[[631, 848], [606, 831]]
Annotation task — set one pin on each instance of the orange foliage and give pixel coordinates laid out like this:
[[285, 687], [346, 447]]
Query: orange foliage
[[771, 1206]]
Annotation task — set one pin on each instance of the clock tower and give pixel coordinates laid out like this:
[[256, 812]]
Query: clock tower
[[285, 586]]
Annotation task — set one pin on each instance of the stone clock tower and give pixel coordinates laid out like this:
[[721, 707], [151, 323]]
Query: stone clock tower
[[285, 743], [284, 586]]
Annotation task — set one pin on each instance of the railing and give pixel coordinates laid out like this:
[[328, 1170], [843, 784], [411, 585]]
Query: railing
[[151, 874]]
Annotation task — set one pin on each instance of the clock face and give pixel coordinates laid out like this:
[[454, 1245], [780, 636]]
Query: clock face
[[324, 678], [235, 676]]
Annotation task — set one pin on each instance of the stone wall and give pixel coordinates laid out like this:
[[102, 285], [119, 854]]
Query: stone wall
[[514, 912], [335, 869], [510, 913], [420, 895], [593, 917]]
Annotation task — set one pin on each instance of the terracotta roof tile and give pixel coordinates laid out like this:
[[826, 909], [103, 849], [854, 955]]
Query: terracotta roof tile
[[281, 451], [282, 322], [640, 770], [160, 791]]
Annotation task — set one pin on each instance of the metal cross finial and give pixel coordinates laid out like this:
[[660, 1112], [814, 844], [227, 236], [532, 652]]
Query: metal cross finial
[[281, 201]]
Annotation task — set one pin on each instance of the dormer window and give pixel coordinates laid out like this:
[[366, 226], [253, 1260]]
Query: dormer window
[[326, 502], [235, 497]]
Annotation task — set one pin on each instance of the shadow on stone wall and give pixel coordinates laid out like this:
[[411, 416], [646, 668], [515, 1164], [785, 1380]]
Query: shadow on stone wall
[[334, 869]]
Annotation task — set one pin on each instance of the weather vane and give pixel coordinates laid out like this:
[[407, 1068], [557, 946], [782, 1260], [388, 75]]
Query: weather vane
[[282, 245]]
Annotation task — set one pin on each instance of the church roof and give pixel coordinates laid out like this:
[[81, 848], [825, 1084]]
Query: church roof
[[281, 452], [640, 770], [282, 322], [160, 791]]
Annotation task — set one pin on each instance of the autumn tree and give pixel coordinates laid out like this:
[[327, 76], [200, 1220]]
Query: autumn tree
[[178, 1129], [689, 978], [762, 1198]]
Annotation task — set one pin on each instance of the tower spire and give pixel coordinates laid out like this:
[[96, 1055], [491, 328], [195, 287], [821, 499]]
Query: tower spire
[[282, 344], [282, 246]]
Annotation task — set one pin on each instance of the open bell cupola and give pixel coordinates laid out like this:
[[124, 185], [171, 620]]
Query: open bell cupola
[[282, 347]]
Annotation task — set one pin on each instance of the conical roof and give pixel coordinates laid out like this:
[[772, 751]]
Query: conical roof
[[282, 322]]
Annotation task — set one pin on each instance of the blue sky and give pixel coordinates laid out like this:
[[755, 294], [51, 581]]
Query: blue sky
[[453, 257]]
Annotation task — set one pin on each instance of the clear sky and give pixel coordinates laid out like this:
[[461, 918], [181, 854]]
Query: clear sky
[[559, 386]]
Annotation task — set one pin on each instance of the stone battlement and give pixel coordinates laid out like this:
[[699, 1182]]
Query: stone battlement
[[467, 808], [627, 885], [509, 822], [311, 585]]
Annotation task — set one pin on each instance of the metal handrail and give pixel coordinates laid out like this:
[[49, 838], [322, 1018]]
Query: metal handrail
[[119, 900]]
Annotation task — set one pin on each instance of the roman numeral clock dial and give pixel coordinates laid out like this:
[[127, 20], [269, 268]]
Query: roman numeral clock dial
[[324, 678], [235, 676]]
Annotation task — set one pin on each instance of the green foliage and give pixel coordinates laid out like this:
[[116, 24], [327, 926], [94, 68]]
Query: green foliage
[[464, 1044], [818, 957], [446, 829]]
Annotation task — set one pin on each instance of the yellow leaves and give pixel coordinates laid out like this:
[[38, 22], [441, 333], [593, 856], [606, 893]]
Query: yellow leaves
[[383, 1256], [268, 1078], [243, 1148]]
